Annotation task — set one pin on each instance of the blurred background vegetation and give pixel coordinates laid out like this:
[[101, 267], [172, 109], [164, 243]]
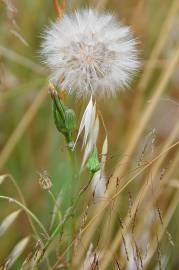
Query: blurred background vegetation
[[29, 142]]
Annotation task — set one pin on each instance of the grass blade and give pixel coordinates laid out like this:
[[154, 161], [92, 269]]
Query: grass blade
[[8, 221], [17, 251]]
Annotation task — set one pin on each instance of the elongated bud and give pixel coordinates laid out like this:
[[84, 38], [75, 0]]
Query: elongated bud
[[58, 119], [93, 164], [64, 117]]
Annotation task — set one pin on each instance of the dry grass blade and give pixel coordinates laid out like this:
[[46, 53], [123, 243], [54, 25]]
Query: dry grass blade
[[8, 221], [15, 57], [131, 147], [90, 228], [158, 192], [21, 128], [143, 191], [157, 165], [10, 6], [140, 197], [152, 63], [119, 217], [21, 38], [17, 251], [160, 44], [2, 178], [165, 77], [168, 216]]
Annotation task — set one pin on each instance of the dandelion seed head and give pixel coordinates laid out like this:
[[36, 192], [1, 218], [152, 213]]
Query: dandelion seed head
[[90, 53]]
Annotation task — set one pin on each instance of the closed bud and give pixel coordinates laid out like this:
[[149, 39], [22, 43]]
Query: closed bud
[[93, 164], [64, 118]]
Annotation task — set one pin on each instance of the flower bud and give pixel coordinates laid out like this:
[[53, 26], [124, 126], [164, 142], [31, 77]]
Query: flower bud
[[93, 164], [64, 118]]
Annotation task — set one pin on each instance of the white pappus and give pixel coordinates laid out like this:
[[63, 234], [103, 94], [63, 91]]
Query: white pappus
[[90, 53]]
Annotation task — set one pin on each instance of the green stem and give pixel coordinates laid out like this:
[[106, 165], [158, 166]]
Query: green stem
[[56, 204], [24, 203], [71, 203], [69, 214], [30, 215]]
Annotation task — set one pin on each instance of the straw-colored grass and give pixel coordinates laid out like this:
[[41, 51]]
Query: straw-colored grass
[[60, 224], [120, 169]]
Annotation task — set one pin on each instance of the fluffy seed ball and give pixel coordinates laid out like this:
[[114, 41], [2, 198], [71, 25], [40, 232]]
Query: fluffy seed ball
[[90, 53]]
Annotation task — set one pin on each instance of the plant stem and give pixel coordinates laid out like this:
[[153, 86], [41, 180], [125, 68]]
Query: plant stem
[[56, 204], [10, 199], [71, 203], [24, 203], [68, 214]]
